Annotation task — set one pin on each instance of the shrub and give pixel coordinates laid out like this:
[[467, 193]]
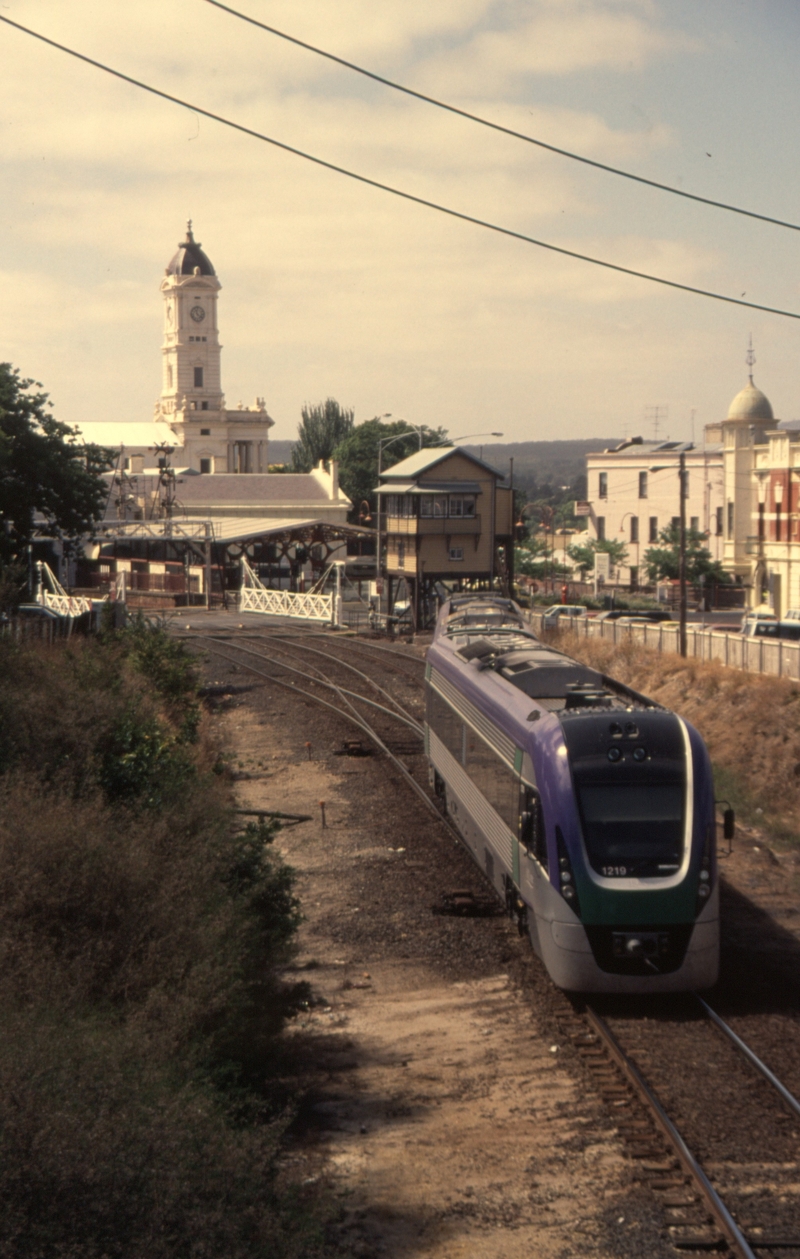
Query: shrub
[[142, 932]]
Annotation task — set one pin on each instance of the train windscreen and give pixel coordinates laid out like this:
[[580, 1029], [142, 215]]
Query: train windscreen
[[633, 828]]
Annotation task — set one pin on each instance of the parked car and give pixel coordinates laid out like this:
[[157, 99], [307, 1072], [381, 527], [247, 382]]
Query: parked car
[[772, 629], [554, 614], [646, 614]]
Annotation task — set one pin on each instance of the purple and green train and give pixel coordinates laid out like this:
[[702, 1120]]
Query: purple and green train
[[589, 807]]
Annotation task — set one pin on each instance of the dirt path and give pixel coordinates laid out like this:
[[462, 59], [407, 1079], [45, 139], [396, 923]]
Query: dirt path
[[441, 1107]]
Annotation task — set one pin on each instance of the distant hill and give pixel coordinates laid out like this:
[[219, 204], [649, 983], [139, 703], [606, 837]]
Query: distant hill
[[280, 451], [535, 463], [543, 463]]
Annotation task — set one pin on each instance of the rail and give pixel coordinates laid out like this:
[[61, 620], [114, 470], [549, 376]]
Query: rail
[[772, 657], [716, 1206]]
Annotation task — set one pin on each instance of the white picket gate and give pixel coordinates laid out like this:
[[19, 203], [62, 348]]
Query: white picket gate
[[56, 597], [254, 596]]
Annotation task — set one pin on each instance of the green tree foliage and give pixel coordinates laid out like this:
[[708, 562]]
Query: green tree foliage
[[142, 936], [583, 553], [534, 558], [319, 432], [358, 455], [42, 471], [662, 562]]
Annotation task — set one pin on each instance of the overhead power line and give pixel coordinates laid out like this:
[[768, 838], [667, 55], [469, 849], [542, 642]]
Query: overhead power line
[[396, 192], [496, 126]]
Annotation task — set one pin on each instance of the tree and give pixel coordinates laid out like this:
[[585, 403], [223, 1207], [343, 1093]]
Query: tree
[[663, 562], [358, 455], [44, 473], [534, 558], [319, 432], [583, 553]]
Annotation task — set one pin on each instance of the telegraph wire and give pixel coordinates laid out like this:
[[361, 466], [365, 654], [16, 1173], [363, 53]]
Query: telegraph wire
[[496, 126], [396, 192]]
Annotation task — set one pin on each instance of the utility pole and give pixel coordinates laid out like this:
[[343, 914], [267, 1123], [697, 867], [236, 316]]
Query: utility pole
[[682, 552]]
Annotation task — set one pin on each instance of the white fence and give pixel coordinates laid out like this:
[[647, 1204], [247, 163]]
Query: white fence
[[51, 594], [255, 597], [755, 655]]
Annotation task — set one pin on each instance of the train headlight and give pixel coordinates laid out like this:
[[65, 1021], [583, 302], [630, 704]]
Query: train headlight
[[568, 892], [614, 754], [566, 876], [703, 892], [704, 876]]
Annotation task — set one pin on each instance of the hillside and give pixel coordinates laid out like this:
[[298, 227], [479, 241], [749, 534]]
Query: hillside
[[538, 463], [535, 463]]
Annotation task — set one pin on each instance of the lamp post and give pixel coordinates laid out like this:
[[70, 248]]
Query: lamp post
[[681, 542]]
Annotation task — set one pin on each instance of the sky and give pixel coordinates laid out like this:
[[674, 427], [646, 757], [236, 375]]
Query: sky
[[331, 288]]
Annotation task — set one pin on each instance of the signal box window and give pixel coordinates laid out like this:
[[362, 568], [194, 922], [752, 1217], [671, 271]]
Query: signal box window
[[462, 505], [642, 485], [198, 378], [653, 529], [432, 504], [602, 485]]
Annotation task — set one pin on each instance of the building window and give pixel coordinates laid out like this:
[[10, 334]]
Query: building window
[[433, 505], [653, 529], [169, 377], [730, 520], [694, 523], [718, 523], [686, 483], [462, 505], [203, 406], [602, 485], [401, 505], [634, 578], [601, 528], [198, 378], [205, 465], [205, 432], [676, 522], [456, 553], [642, 485], [634, 528], [401, 552]]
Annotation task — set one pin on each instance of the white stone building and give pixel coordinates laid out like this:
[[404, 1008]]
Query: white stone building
[[633, 493]]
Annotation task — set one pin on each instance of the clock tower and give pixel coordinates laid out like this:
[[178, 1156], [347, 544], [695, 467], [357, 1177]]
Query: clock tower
[[191, 349], [213, 438]]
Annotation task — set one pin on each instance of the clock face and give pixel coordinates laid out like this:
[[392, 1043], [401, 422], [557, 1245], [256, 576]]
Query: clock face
[[198, 314]]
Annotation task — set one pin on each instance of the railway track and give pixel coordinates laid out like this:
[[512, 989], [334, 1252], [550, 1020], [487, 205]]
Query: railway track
[[713, 1132]]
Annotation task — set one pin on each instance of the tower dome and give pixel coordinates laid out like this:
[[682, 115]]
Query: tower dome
[[751, 406], [190, 258]]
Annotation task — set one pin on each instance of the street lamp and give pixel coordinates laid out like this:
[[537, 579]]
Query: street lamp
[[663, 467]]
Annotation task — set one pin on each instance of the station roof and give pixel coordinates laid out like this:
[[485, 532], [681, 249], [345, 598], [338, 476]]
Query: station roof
[[429, 457], [224, 529]]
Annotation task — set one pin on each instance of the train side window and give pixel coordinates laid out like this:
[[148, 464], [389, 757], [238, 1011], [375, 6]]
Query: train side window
[[496, 782], [446, 724], [531, 826]]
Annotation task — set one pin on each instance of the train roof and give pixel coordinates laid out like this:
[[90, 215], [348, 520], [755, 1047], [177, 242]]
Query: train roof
[[487, 632]]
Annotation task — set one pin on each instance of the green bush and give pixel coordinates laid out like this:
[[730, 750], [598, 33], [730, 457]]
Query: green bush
[[142, 933]]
